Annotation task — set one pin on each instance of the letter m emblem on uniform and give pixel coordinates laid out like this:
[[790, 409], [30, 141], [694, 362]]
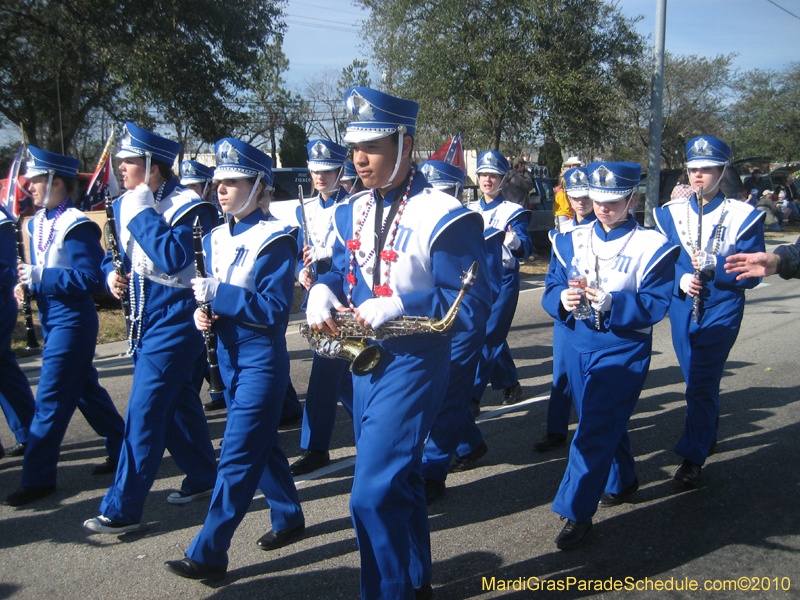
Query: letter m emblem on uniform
[[623, 263], [241, 255], [401, 238]]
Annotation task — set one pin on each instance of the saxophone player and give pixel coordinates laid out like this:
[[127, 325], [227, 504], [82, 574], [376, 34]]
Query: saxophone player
[[401, 249]]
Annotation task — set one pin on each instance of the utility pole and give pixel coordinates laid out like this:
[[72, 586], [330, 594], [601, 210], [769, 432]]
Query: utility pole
[[656, 101]]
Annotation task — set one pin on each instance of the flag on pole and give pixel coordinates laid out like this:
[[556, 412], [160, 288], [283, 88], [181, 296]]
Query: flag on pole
[[452, 152], [16, 199], [104, 183]]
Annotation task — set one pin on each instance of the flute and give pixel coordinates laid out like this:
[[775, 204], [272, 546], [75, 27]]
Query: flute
[[697, 272], [215, 385], [32, 342], [312, 268]]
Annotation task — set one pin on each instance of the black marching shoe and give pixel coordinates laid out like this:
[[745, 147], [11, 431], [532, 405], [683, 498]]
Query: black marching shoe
[[512, 395], [289, 421], [573, 535], [475, 407], [469, 462], [105, 467], [607, 500], [25, 495], [551, 441], [211, 406], [423, 593], [433, 489], [2, 451], [191, 569], [311, 461], [688, 473], [272, 540], [17, 449]]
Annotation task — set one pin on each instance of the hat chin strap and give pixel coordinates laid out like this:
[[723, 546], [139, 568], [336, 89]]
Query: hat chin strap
[[400, 132], [205, 189], [50, 174], [249, 198], [335, 185], [147, 158], [716, 185]]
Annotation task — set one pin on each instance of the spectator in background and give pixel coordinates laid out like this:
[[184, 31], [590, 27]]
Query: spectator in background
[[517, 183], [682, 189], [756, 181], [752, 198], [774, 218], [562, 211]]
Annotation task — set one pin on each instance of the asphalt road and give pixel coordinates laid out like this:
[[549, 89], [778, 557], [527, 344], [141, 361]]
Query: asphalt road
[[740, 528]]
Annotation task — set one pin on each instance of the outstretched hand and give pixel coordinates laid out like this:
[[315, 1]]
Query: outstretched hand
[[757, 264]]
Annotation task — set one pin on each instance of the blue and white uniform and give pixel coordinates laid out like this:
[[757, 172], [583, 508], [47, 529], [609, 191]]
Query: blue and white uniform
[[559, 405], [67, 245], [330, 381], [729, 227], [606, 367], [169, 357], [16, 398], [505, 216], [254, 261], [430, 243]]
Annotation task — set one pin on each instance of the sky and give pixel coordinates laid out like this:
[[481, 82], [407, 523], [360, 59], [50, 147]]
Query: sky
[[325, 33]]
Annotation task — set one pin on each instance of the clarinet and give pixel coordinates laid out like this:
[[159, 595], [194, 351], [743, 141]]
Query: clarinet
[[112, 241], [698, 273], [33, 343], [215, 385]]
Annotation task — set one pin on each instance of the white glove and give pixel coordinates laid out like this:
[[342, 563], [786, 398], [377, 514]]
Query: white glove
[[135, 201], [320, 302], [376, 311], [205, 288], [30, 274], [686, 281], [602, 301], [318, 253], [512, 240], [706, 261], [304, 278]]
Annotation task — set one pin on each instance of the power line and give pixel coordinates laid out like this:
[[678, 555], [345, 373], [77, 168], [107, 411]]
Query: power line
[[317, 19], [326, 27], [336, 10], [783, 9]]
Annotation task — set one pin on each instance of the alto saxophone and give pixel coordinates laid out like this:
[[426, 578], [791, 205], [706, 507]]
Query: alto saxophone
[[351, 342]]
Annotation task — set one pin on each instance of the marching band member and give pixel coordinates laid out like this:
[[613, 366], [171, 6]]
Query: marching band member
[[198, 177], [349, 178], [65, 272], [455, 419], [704, 339], [607, 356], [560, 403], [250, 287], [155, 218], [512, 219], [330, 380], [16, 398], [425, 242]]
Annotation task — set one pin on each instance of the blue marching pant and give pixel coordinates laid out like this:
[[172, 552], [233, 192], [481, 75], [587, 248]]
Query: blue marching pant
[[559, 405], [393, 410], [702, 349], [497, 328], [605, 385], [164, 411], [68, 381], [504, 375], [452, 419], [251, 456], [291, 404], [330, 383], [16, 397]]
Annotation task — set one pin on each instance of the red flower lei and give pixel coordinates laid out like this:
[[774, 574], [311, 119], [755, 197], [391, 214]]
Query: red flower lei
[[388, 256]]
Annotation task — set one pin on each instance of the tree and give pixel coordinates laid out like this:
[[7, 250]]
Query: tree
[[486, 67], [697, 91], [293, 146], [183, 59], [327, 117], [268, 106], [766, 118]]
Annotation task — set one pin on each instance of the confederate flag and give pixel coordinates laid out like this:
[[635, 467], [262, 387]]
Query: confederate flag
[[452, 152]]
